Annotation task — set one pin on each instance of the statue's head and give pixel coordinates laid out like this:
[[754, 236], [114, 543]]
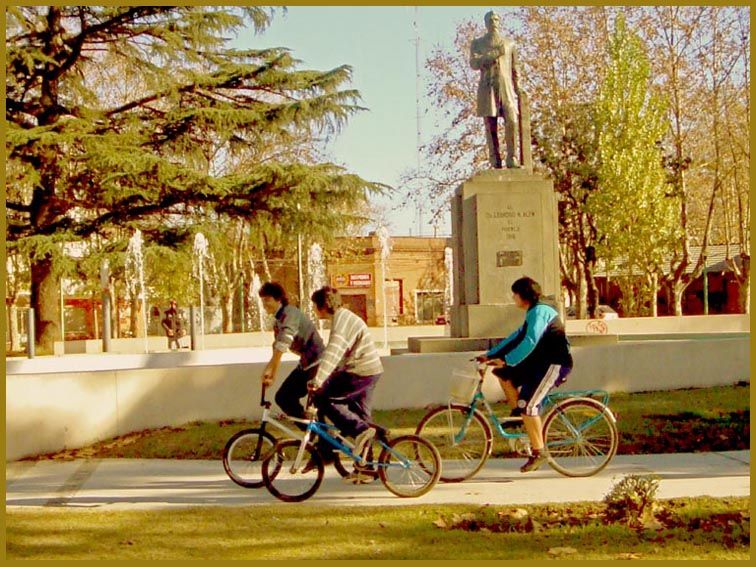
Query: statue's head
[[492, 21]]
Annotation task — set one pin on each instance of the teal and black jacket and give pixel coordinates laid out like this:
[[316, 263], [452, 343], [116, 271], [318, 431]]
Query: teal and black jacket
[[540, 338]]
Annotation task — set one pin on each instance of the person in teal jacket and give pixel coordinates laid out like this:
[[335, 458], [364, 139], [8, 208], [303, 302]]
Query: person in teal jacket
[[531, 362]]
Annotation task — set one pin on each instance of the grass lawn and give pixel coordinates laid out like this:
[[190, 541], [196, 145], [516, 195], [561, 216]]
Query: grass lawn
[[693, 528], [677, 421]]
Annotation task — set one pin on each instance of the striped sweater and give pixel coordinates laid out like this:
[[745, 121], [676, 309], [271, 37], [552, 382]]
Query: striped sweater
[[350, 348]]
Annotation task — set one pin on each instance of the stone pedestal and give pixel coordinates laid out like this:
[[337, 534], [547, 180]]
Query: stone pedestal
[[504, 226]]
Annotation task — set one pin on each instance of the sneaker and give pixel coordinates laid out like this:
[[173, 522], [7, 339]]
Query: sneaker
[[309, 466], [362, 443], [360, 477], [326, 457], [511, 425], [535, 460]]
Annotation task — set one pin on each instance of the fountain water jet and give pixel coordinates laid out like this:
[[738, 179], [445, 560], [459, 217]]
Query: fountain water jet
[[200, 250], [135, 271], [384, 241]]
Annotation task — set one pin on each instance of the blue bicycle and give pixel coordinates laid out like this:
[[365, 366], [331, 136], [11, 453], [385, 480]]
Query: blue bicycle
[[408, 466], [579, 431]]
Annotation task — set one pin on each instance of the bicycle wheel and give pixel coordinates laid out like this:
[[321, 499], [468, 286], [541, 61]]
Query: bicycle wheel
[[409, 466], [243, 456], [461, 459], [287, 484], [580, 436]]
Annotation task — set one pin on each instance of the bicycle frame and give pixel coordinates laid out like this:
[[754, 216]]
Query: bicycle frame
[[331, 435], [267, 418], [549, 401]]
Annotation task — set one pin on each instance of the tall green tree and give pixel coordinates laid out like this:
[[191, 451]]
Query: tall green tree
[[636, 214], [85, 162]]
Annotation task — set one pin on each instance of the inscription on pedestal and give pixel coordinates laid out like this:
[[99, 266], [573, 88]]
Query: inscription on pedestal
[[510, 242], [506, 258]]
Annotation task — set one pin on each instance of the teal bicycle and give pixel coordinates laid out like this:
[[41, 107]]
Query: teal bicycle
[[579, 430]]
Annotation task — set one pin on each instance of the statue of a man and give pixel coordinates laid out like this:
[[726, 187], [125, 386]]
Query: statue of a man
[[494, 55]]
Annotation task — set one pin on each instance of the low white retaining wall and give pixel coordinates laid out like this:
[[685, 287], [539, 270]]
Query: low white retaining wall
[[693, 324], [49, 411], [230, 340]]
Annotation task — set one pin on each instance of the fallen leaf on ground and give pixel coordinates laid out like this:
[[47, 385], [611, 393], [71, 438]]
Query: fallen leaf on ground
[[652, 524], [459, 518], [562, 550]]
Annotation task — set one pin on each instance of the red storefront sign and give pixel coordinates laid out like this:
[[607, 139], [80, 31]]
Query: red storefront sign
[[360, 280], [352, 280]]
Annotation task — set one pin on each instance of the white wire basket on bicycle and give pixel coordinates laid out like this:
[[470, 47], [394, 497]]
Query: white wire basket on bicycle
[[464, 383]]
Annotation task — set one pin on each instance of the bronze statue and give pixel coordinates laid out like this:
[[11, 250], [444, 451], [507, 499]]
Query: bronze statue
[[498, 90]]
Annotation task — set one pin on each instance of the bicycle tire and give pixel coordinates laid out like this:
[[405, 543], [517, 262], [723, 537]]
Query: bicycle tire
[[580, 436], [404, 464], [288, 486], [461, 461], [243, 455]]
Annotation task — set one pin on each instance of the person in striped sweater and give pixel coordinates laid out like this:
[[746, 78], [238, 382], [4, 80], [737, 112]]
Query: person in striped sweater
[[348, 371]]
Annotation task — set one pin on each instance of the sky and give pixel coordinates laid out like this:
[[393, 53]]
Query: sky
[[378, 43]]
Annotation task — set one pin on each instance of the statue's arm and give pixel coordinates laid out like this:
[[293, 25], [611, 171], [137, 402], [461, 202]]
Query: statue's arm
[[480, 58], [476, 58]]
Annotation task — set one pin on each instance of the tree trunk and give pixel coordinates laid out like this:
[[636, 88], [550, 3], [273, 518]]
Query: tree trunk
[[592, 295], [745, 296], [113, 315], [227, 310], [654, 295], [116, 311], [745, 285], [45, 287], [13, 331], [678, 288], [246, 307], [580, 297]]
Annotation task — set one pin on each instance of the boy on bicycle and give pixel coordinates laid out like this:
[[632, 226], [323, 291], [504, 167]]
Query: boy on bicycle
[[348, 372], [533, 359], [294, 331]]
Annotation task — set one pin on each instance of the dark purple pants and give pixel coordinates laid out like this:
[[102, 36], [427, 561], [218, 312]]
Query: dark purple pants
[[345, 399]]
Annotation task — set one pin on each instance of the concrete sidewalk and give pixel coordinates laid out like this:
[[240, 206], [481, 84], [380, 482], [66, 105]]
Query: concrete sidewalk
[[127, 484]]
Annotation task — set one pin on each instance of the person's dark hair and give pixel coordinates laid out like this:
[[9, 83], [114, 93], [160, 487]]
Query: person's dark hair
[[327, 299], [274, 290], [528, 289]]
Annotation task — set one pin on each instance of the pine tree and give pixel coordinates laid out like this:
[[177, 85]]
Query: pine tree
[[111, 112]]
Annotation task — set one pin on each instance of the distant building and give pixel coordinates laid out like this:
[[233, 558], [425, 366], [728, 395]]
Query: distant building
[[414, 274], [723, 287]]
